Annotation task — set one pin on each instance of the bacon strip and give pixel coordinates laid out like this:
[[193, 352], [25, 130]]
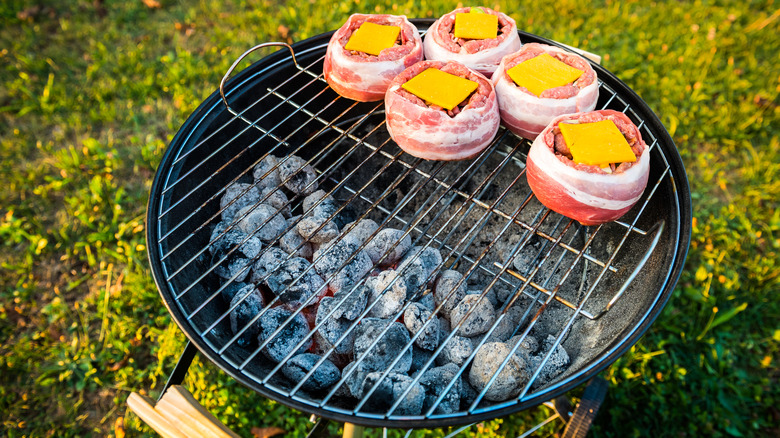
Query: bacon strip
[[587, 194], [363, 77], [526, 114]]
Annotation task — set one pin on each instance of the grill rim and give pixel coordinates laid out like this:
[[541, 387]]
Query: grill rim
[[683, 231]]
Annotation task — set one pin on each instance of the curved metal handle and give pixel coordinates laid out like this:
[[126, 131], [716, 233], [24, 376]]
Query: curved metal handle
[[241, 58]]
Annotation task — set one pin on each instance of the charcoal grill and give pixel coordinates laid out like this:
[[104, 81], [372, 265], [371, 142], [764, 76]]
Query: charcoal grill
[[595, 290]]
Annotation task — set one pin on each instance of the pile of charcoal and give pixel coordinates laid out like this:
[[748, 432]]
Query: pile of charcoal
[[358, 306]]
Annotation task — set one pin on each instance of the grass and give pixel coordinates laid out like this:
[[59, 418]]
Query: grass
[[93, 91]]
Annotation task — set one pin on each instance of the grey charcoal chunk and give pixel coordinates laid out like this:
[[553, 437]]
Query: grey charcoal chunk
[[417, 267], [265, 173], [503, 330], [262, 221], [390, 241], [388, 347], [268, 262], [298, 176], [509, 380], [276, 198], [427, 301], [527, 347], [490, 295], [249, 303], [480, 320], [362, 231], [318, 224], [294, 243], [415, 318], [223, 240], [329, 258], [444, 328], [236, 197], [354, 379], [324, 376], [353, 301], [284, 342], [419, 358], [332, 327], [386, 295], [467, 393], [232, 288], [434, 382], [391, 389], [556, 364], [456, 351], [295, 282], [447, 282], [232, 254]]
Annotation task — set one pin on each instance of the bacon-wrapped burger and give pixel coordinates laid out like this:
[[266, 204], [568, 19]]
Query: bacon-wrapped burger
[[367, 52], [591, 167], [541, 82], [440, 110], [476, 37]]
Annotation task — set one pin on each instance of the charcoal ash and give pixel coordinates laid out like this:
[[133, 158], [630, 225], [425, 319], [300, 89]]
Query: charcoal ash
[[262, 221], [353, 301], [295, 282], [419, 358], [266, 172], [276, 198], [480, 320], [388, 347], [232, 254], [293, 243], [297, 176], [387, 294], [284, 342], [324, 376], [434, 382], [382, 243], [457, 350], [233, 288], [415, 318], [417, 267], [389, 391], [329, 258], [317, 224], [236, 197], [333, 327], [268, 261], [362, 231], [509, 381], [249, 303], [556, 364], [447, 282], [490, 295]]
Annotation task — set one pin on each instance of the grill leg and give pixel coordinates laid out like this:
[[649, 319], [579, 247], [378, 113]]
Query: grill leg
[[180, 370], [585, 413]]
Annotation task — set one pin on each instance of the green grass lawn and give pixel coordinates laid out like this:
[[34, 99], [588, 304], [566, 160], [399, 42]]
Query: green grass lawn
[[91, 92]]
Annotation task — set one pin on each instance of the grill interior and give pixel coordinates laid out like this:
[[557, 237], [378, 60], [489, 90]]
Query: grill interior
[[593, 290]]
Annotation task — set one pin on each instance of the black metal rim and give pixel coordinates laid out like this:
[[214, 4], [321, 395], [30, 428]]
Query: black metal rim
[[683, 233]]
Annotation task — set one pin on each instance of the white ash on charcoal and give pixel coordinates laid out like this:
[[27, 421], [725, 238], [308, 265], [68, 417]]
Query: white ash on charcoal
[[295, 282], [268, 261], [324, 376], [434, 382], [490, 296], [233, 288], [479, 321], [415, 318], [283, 343], [509, 381], [332, 328], [417, 267], [390, 244], [387, 294], [276, 198], [317, 224], [236, 197], [266, 172], [232, 252], [354, 375], [249, 303], [457, 350], [353, 301], [380, 350], [556, 364], [527, 348], [447, 282], [330, 259], [389, 391], [294, 243], [262, 221], [297, 176], [361, 231], [419, 358]]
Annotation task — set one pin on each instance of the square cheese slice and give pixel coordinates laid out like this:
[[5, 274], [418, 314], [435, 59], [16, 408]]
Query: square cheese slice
[[439, 88], [372, 38], [475, 25], [598, 143], [542, 73]]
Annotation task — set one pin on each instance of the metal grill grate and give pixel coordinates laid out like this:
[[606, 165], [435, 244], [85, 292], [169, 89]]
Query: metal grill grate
[[480, 215]]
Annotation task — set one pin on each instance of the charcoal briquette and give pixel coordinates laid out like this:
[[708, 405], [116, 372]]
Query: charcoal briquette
[[324, 376], [362, 231], [236, 197], [249, 303], [387, 294], [268, 261], [456, 351], [266, 172], [276, 198], [508, 381], [415, 318], [480, 320], [262, 221], [447, 282], [317, 224], [388, 347], [417, 267], [332, 327], [290, 335], [391, 389], [297, 176], [389, 243], [353, 301], [295, 282], [434, 382]]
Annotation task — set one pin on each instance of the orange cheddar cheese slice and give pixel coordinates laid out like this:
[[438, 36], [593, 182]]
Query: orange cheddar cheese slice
[[475, 25], [372, 38], [542, 73], [439, 88], [598, 143]]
